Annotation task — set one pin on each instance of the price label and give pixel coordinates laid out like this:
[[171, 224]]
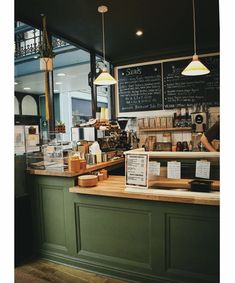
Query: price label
[[202, 169], [154, 168], [173, 169]]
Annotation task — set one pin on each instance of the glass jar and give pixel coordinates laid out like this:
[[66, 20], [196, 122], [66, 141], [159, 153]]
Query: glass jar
[[185, 146], [179, 146]]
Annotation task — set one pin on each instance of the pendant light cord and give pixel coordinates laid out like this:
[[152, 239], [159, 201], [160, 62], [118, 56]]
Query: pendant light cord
[[103, 37], [194, 28]]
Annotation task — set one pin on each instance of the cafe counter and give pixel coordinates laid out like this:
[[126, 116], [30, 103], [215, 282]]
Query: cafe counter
[[165, 235]]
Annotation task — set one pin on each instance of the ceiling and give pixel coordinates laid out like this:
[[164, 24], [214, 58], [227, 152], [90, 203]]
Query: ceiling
[[167, 26]]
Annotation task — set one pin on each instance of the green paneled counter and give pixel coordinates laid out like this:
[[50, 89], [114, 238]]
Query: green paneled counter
[[160, 236]]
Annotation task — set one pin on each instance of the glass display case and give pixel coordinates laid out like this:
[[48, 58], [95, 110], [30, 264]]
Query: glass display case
[[49, 157]]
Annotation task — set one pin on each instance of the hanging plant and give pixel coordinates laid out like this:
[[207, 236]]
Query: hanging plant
[[46, 53]]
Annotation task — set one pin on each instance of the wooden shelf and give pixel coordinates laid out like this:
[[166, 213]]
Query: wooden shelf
[[165, 129]]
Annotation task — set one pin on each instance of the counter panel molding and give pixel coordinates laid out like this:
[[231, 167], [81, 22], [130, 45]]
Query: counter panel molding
[[52, 227], [52, 216], [188, 244], [116, 235]]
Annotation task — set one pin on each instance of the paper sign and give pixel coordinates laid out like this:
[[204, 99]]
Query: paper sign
[[32, 140], [173, 169], [19, 140], [136, 170], [154, 168], [202, 169]]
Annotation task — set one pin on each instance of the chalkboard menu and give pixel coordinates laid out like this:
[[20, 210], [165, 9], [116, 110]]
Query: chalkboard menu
[[140, 88], [183, 91]]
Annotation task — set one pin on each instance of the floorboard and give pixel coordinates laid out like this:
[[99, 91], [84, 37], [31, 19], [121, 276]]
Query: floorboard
[[43, 271]]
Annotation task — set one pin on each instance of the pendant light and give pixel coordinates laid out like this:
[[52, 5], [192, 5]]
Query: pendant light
[[104, 78], [195, 68]]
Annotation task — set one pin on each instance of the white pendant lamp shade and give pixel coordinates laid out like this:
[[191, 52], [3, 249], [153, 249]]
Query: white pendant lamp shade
[[195, 68], [104, 78]]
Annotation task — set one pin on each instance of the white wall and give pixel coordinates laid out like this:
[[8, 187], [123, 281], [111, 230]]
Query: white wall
[[17, 106], [29, 106]]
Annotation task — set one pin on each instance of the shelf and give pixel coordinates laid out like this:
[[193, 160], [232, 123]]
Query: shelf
[[176, 154], [166, 129]]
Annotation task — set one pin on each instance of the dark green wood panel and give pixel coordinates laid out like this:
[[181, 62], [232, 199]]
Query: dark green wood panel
[[115, 234], [192, 246]]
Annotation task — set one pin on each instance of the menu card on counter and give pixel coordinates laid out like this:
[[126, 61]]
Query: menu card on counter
[[173, 169], [202, 169], [137, 170]]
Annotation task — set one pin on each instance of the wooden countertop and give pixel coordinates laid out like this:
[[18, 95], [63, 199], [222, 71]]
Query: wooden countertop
[[114, 186], [89, 168]]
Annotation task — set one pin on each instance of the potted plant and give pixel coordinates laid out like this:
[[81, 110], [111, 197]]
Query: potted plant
[[46, 53]]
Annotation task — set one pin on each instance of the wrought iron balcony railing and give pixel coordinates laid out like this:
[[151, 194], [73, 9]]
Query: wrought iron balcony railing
[[31, 46]]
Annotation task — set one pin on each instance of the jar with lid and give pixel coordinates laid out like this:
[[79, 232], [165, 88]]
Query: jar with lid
[[178, 146], [185, 146], [73, 164]]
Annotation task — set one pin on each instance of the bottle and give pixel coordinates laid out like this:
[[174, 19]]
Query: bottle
[[177, 118], [190, 147]]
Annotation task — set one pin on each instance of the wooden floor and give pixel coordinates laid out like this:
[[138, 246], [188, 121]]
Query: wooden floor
[[43, 271]]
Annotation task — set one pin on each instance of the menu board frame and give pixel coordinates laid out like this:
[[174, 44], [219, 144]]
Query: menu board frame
[[140, 88]]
